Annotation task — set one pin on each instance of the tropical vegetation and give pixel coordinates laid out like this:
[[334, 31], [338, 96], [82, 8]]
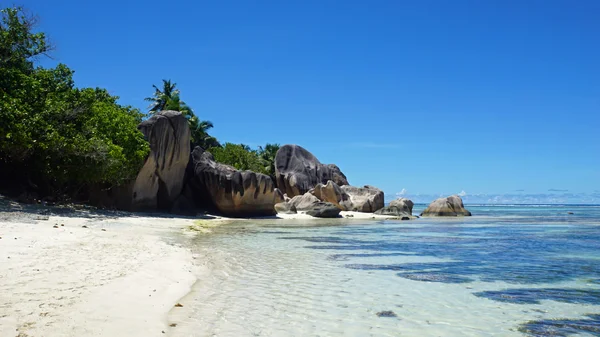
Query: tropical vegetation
[[169, 98], [240, 156], [58, 138], [64, 141]]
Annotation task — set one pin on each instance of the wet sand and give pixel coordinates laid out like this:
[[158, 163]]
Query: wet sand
[[91, 273]]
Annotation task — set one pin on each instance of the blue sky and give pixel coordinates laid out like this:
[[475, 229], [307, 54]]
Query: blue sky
[[429, 97]]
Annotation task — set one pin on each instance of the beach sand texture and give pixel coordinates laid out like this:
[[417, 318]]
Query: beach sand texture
[[117, 277], [90, 273]]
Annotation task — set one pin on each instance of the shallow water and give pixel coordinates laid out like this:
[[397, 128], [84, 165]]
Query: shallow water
[[513, 270]]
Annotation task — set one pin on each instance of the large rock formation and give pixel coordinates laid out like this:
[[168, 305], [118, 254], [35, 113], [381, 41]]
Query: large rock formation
[[364, 199], [310, 205], [337, 176], [449, 206], [332, 193], [232, 192], [297, 171], [400, 207], [160, 180]]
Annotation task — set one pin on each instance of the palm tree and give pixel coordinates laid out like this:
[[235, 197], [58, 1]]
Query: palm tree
[[161, 98], [200, 136], [169, 99], [175, 103], [267, 157]]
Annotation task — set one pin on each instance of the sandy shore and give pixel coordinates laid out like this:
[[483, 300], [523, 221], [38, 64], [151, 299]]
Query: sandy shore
[[98, 274], [117, 277]]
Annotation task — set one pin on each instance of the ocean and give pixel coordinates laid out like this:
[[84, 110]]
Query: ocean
[[511, 270]]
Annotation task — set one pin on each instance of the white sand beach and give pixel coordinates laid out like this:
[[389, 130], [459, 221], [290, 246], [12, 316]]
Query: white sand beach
[[117, 277], [94, 275]]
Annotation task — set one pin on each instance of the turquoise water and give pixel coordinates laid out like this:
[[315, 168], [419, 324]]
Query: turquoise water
[[507, 271]]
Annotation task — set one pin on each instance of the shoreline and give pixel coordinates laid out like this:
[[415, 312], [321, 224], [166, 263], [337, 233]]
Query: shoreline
[[107, 273], [113, 277], [92, 272]]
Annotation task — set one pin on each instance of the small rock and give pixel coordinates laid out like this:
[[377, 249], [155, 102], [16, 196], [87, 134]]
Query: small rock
[[104, 230], [84, 226], [285, 208], [55, 226], [386, 313], [62, 224], [323, 210], [178, 305], [172, 325], [349, 215]]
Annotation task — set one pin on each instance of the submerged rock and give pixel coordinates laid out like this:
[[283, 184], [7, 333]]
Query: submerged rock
[[160, 180], [386, 313], [590, 325], [449, 206], [324, 210], [297, 171], [233, 192]]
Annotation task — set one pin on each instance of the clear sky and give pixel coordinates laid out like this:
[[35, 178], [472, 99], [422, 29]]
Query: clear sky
[[429, 97]]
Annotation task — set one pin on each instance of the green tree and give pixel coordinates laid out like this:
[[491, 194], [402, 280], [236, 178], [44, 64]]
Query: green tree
[[59, 138], [200, 136], [160, 100], [239, 156], [169, 98], [267, 157]]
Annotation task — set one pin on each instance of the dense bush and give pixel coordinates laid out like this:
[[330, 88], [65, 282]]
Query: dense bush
[[239, 156], [242, 157], [56, 137]]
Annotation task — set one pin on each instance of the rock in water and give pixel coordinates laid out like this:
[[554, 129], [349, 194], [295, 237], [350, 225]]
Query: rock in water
[[332, 193], [233, 192], [386, 313], [400, 207], [160, 180], [449, 206], [297, 171], [285, 208], [364, 199], [324, 210]]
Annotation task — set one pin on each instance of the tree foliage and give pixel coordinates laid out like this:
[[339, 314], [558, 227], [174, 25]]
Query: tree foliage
[[59, 137], [239, 156], [242, 157], [169, 98], [267, 157]]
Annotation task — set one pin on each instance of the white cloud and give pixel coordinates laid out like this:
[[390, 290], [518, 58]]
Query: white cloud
[[462, 193], [401, 193]]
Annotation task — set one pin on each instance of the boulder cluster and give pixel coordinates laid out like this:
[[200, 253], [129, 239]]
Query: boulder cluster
[[181, 180]]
